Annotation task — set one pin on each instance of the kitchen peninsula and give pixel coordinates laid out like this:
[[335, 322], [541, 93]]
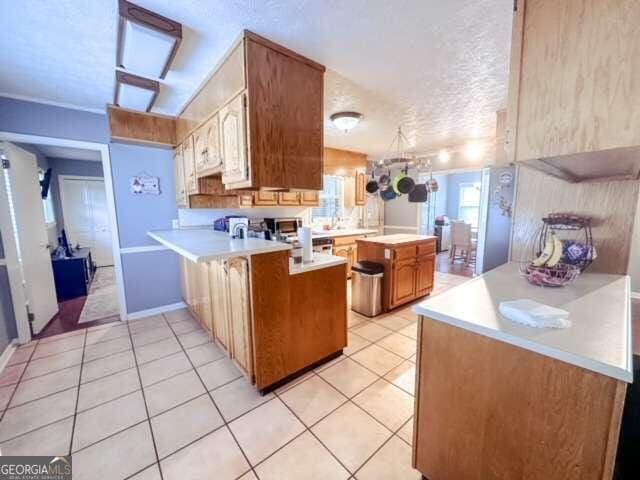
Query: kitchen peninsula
[[522, 402], [275, 320]]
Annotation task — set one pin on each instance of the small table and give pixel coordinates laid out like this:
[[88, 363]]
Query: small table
[[73, 275]]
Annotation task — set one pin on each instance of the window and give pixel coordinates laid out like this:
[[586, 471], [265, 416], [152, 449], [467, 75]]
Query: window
[[47, 204], [331, 200], [469, 203]]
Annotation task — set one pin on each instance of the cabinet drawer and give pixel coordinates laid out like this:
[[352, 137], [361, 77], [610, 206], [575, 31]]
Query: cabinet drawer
[[404, 253], [426, 248], [337, 241]]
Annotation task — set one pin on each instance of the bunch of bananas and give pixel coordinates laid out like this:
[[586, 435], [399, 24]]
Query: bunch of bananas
[[552, 253]]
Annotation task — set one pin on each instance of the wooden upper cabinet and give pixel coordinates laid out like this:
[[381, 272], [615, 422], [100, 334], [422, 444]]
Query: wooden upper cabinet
[[234, 143], [178, 166], [574, 78], [188, 157], [265, 198], [310, 198], [361, 181], [289, 198], [207, 148], [274, 138]]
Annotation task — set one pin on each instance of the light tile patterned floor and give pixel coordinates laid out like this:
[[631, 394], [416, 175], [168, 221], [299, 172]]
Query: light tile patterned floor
[[157, 399]]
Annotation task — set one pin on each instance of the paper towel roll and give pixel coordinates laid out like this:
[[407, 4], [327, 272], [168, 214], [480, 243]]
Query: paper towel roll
[[304, 237]]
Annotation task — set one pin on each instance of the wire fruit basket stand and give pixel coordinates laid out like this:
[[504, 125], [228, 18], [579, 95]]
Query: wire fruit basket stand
[[562, 250]]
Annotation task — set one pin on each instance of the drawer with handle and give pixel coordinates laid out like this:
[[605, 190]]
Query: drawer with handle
[[404, 253]]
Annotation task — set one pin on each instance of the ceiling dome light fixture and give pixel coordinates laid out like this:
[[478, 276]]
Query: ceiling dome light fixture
[[443, 155], [346, 120]]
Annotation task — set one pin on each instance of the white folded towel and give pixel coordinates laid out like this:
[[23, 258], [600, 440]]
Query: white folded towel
[[534, 314]]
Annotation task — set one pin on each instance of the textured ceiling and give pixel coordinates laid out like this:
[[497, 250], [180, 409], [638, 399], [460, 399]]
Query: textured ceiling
[[438, 68]]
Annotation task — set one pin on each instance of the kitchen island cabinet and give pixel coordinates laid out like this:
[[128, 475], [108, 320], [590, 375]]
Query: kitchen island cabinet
[[275, 320], [518, 401], [409, 265]]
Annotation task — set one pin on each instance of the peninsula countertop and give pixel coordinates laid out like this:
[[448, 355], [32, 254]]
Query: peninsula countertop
[[206, 244], [599, 309]]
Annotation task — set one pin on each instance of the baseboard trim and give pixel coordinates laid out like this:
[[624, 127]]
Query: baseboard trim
[[401, 227], [143, 249], [155, 311], [6, 355], [635, 294]]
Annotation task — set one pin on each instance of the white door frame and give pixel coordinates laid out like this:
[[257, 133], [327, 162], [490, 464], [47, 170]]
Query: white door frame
[[11, 253]]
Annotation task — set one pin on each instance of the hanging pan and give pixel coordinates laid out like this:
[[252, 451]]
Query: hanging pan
[[405, 184], [372, 185], [419, 194], [384, 180], [388, 194]]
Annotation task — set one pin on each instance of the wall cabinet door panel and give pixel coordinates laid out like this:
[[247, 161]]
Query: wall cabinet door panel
[[191, 183], [265, 198], [234, 143], [361, 181], [403, 281], [310, 198], [207, 148], [288, 198], [178, 165]]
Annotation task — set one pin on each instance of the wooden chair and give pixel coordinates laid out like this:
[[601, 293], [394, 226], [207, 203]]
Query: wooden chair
[[461, 241]]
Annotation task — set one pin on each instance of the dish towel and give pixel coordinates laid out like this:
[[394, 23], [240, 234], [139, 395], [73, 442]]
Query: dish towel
[[534, 314]]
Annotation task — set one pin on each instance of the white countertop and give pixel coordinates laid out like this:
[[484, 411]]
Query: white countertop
[[320, 260], [205, 244], [599, 305], [397, 238], [341, 232]]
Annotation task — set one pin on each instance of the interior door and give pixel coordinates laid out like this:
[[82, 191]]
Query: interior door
[[102, 252], [86, 218], [30, 231]]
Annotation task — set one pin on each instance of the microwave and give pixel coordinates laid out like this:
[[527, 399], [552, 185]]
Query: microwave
[[283, 228]]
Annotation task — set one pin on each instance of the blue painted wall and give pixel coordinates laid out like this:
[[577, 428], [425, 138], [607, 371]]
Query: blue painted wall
[[150, 280], [453, 190]]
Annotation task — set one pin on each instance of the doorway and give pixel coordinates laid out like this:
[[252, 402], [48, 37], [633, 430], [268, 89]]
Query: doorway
[[63, 250], [457, 215]]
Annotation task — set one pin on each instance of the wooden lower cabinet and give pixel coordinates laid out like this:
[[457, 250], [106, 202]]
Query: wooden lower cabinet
[[404, 277], [237, 271], [220, 304], [196, 291], [409, 267], [485, 409], [347, 248]]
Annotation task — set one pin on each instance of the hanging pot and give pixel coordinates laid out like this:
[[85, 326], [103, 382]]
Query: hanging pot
[[385, 179], [372, 185], [406, 184], [419, 194], [396, 180], [432, 185], [388, 194]]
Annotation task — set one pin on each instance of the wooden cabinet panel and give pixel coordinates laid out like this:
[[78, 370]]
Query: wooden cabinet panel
[[178, 166], [203, 301], [361, 181], [403, 277], [346, 252], [404, 253], [310, 198], [188, 157], [425, 269], [237, 270], [288, 198], [220, 304], [265, 198], [426, 248], [234, 143], [207, 148], [574, 75]]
